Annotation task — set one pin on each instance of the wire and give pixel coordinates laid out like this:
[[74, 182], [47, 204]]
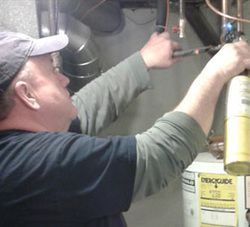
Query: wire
[[225, 15]]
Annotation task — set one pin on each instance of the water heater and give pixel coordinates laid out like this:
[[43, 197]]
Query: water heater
[[213, 198]]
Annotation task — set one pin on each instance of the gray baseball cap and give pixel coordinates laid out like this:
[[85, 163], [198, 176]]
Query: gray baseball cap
[[16, 48]]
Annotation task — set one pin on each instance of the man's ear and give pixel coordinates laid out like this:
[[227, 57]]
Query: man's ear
[[25, 94]]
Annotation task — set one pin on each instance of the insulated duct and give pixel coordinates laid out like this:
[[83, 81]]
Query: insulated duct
[[80, 58], [161, 16]]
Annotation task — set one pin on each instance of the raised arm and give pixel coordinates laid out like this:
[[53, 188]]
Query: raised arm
[[200, 101], [101, 101], [166, 149]]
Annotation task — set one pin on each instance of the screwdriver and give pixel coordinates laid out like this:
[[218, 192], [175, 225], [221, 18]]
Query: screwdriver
[[195, 51]]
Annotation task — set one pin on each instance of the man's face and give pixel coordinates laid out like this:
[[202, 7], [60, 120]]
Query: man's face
[[51, 93]]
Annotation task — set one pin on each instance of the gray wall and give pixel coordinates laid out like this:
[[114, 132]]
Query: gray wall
[[19, 16]]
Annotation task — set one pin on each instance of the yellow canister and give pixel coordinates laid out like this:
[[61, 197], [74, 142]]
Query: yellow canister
[[237, 127]]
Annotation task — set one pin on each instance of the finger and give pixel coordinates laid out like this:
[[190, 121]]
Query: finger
[[175, 46]]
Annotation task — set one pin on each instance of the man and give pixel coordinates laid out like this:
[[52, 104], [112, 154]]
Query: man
[[49, 177]]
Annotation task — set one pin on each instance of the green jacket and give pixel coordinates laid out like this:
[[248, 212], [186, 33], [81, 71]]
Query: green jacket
[[164, 150]]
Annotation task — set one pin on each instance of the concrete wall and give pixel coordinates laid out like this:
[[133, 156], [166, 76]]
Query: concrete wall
[[19, 16]]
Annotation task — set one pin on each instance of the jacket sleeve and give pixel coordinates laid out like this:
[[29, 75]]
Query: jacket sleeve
[[102, 100], [165, 151]]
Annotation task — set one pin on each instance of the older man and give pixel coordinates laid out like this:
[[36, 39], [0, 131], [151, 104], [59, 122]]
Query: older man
[[49, 177]]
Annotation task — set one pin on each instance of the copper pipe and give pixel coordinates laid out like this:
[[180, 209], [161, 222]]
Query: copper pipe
[[216, 146], [225, 15]]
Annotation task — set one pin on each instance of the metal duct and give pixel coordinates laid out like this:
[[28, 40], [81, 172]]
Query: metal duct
[[102, 16], [81, 61]]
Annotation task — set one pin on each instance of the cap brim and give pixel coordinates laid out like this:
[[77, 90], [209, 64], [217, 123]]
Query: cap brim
[[49, 44]]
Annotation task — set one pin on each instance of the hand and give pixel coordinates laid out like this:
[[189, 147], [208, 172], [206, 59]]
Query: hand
[[230, 61], [158, 51]]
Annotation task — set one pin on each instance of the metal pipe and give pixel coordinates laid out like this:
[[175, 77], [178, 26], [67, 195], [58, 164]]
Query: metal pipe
[[182, 20], [53, 16], [195, 51], [224, 20], [239, 15]]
